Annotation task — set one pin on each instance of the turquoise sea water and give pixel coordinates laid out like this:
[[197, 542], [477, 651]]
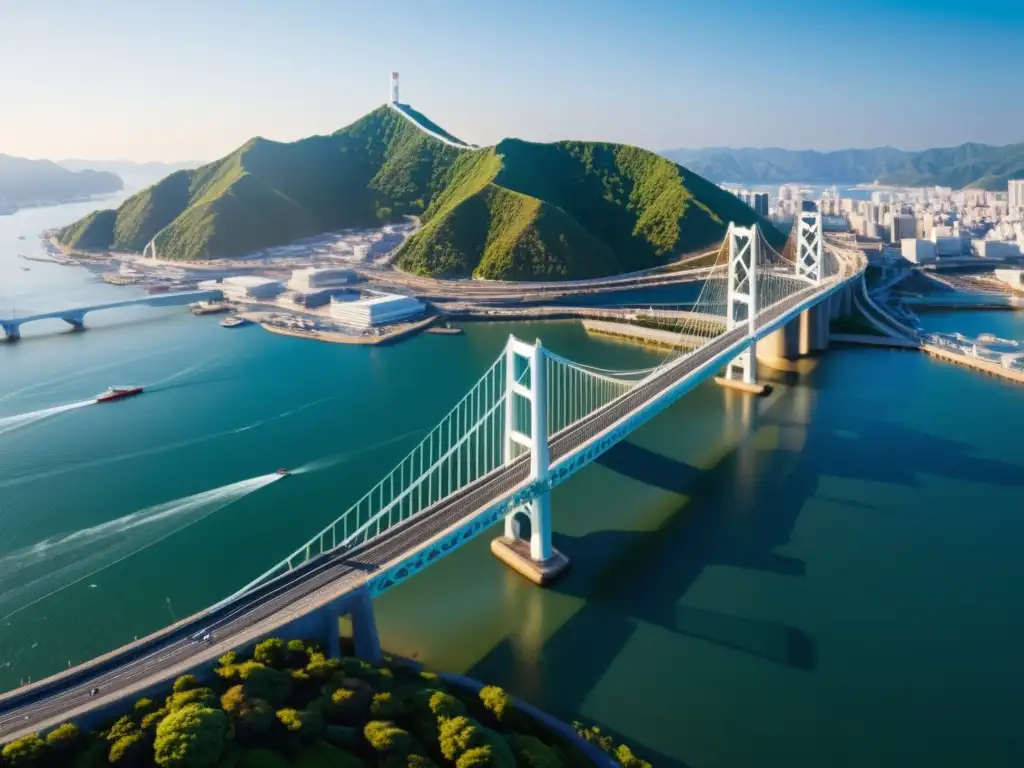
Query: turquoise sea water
[[824, 576]]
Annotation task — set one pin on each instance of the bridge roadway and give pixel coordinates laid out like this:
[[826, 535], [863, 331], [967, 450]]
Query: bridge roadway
[[171, 651], [76, 315]]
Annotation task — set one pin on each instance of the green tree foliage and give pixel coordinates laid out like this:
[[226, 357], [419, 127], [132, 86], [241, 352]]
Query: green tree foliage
[[192, 737], [348, 705], [185, 683], [130, 751], [152, 720], [252, 717], [320, 668], [143, 707], [396, 717], [307, 725], [531, 752], [386, 706], [443, 704], [271, 653], [458, 734], [496, 701], [204, 697], [324, 755], [261, 682], [387, 737], [63, 740], [121, 727], [26, 752], [622, 754]]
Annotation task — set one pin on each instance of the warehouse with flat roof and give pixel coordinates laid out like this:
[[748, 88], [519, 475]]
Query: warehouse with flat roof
[[378, 309]]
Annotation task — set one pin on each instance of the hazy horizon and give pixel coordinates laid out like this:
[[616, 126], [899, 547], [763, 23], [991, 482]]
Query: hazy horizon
[[172, 82]]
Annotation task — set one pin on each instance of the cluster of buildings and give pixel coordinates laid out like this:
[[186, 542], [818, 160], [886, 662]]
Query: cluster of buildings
[[756, 200], [926, 224], [313, 287]]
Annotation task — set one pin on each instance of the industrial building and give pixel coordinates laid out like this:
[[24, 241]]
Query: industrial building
[[311, 279], [245, 287], [948, 245], [918, 251], [903, 227], [379, 309]]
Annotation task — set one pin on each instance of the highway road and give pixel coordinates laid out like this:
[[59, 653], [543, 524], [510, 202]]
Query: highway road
[[170, 652]]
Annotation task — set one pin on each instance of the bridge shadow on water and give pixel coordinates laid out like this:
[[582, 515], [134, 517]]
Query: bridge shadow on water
[[739, 513], [629, 578]]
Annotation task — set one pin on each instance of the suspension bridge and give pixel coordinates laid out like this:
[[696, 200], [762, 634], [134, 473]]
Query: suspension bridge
[[532, 420]]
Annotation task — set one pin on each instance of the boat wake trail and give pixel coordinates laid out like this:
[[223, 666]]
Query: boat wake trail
[[34, 573], [11, 423], [341, 458], [79, 372], [180, 374], [65, 468]]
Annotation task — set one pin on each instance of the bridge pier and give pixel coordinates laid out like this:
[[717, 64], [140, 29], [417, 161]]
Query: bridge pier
[[532, 556], [75, 321], [12, 331], [324, 625]]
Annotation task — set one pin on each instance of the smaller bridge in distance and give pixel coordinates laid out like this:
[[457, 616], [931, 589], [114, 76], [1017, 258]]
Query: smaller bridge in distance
[[75, 316]]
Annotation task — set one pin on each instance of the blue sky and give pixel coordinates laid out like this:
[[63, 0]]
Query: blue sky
[[189, 79]]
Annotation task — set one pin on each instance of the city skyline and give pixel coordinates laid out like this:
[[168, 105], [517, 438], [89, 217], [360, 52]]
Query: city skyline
[[183, 81]]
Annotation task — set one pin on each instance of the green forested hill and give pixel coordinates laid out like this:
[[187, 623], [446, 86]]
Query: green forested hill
[[517, 210]]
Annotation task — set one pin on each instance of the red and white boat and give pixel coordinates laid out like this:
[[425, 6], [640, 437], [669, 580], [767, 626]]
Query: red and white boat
[[118, 393]]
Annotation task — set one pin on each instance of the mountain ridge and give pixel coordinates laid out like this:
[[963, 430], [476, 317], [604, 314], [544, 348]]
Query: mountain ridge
[[26, 182], [514, 210], [972, 164]]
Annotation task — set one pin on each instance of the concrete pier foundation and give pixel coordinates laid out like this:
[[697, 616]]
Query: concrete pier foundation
[[526, 545], [782, 344]]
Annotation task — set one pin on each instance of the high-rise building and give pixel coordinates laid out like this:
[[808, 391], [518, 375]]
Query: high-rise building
[[760, 205], [1016, 193], [393, 96], [903, 227]]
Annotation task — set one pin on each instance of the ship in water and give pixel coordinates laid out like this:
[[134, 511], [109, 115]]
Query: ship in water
[[118, 393], [233, 322]]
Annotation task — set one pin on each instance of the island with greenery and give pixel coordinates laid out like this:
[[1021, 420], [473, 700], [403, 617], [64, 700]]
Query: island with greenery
[[516, 210], [290, 705]]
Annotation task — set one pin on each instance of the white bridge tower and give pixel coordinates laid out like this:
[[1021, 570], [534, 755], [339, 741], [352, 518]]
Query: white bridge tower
[[741, 301], [809, 246], [536, 558]]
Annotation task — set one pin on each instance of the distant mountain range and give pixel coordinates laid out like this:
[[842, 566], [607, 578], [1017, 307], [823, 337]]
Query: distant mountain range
[[968, 165], [40, 182], [517, 210], [135, 175]]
